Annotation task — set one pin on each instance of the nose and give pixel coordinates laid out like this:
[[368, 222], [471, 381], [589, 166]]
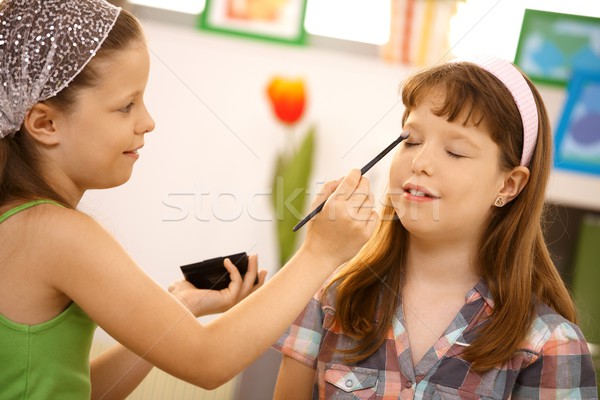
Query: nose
[[146, 123], [422, 162]]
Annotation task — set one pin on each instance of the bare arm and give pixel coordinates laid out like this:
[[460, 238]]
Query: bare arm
[[105, 282], [117, 372], [295, 380]]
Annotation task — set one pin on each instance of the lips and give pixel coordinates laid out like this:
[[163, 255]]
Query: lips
[[415, 192], [133, 151], [419, 192], [133, 154]]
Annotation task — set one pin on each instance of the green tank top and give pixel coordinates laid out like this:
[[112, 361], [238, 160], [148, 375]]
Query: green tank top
[[48, 360]]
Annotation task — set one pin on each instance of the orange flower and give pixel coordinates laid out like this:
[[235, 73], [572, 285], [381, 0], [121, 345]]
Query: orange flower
[[287, 98]]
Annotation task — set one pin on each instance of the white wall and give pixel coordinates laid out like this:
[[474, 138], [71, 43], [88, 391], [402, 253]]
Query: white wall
[[200, 188], [215, 136]]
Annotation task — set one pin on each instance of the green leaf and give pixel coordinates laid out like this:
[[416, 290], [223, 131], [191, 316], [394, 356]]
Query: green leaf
[[290, 194]]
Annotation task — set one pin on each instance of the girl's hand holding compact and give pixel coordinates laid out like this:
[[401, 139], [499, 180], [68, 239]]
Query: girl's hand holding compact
[[205, 302]]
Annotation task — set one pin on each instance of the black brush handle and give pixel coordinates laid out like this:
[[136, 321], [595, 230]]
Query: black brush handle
[[309, 216], [363, 171]]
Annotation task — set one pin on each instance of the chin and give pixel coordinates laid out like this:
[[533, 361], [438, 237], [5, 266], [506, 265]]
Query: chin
[[123, 180], [420, 223]]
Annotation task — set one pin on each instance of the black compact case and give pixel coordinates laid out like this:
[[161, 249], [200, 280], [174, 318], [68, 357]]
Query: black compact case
[[211, 274]]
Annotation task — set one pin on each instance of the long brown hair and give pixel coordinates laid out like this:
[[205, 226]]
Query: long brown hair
[[20, 172], [518, 281]]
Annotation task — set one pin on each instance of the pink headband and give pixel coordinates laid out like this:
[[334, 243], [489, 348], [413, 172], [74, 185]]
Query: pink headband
[[514, 81]]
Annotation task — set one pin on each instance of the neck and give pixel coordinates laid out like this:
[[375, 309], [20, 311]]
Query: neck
[[72, 198], [448, 264], [65, 188]]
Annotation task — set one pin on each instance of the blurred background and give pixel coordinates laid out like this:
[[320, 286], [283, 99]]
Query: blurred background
[[206, 181]]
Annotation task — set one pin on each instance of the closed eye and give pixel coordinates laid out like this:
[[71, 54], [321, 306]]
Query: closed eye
[[410, 144], [127, 108], [454, 155]]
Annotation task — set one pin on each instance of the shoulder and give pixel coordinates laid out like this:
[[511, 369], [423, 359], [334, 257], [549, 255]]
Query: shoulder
[[62, 236], [319, 313], [559, 360], [60, 225], [57, 245], [49, 224], [550, 332], [327, 296]]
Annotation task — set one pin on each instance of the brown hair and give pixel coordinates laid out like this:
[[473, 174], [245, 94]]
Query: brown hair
[[20, 175], [518, 281]]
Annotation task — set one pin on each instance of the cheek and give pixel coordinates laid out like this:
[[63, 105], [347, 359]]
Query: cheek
[[475, 200], [395, 173], [395, 191]]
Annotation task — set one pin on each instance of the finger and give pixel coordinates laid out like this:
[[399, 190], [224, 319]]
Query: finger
[[234, 274], [348, 185], [372, 223], [368, 198], [369, 201], [361, 202], [262, 277], [250, 276], [326, 191], [363, 211]]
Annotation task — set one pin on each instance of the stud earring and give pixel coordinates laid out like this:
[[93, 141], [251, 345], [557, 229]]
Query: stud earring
[[499, 201]]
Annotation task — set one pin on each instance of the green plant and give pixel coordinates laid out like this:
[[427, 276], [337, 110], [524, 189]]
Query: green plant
[[293, 166]]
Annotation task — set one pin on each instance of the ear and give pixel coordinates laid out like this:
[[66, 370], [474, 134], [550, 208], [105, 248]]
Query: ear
[[39, 122], [514, 182]]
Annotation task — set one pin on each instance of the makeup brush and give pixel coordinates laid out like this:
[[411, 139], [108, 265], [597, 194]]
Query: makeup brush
[[363, 171]]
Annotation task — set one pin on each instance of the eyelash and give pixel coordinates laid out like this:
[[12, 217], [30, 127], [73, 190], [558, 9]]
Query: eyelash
[[452, 155], [127, 108]]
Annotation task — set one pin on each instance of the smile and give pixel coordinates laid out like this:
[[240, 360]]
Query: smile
[[417, 193], [133, 154], [418, 196]]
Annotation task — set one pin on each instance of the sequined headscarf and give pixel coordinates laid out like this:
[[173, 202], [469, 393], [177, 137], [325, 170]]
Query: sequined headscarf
[[44, 44]]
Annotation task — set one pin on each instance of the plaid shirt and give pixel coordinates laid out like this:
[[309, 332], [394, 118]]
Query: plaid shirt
[[554, 362]]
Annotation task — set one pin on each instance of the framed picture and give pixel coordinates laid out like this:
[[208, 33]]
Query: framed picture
[[551, 45], [578, 133], [275, 20]]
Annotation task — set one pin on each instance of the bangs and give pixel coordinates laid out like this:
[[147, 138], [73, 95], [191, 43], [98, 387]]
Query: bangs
[[455, 102], [465, 93], [459, 100]]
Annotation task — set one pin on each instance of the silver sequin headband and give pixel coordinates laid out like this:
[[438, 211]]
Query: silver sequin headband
[[44, 44]]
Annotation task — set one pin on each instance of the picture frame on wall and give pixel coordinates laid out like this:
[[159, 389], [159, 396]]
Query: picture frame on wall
[[273, 20], [578, 132], [551, 45]]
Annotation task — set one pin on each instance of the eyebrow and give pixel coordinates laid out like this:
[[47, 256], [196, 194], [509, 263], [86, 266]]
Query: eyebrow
[[134, 94], [126, 97], [411, 125], [450, 133], [455, 135]]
